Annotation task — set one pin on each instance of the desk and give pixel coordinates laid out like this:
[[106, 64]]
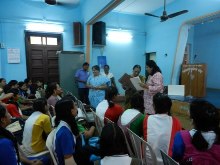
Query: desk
[[180, 109]]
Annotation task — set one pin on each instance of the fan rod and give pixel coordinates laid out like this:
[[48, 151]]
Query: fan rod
[[164, 6]]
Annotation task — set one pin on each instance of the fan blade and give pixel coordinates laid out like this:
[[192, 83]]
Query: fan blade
[[151, 15], [67, 2], [50, 2], [177, 13]]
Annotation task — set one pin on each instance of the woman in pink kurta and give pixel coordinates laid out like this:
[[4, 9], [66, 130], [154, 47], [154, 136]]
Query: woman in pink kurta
[[153, 85]]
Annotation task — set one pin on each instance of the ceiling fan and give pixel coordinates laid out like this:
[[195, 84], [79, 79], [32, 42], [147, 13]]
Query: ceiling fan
[[44, 3], [61, 2], [165, 17]]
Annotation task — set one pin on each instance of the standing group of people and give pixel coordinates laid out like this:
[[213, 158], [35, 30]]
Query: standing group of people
[[91, 88]]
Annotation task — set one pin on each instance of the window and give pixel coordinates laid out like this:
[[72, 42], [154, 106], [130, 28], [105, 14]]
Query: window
[[51, 41], [35, 40], [43, 40]]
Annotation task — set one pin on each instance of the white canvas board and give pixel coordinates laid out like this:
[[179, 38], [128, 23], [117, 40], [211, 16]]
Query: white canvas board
[[135, 81], [178, 90]]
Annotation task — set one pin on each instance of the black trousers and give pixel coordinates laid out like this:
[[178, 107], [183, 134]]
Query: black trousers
[[83, 95]]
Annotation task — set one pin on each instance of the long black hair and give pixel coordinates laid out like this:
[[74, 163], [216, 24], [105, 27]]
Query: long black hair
[[162, 103], [110, 93], [152, 64], [137, 102], [205, 118], [39, 105], [7, 134], [63, 112], [50, 89], [112, 141]]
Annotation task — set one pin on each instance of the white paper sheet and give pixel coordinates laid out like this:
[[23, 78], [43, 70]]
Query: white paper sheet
[[135, 81]]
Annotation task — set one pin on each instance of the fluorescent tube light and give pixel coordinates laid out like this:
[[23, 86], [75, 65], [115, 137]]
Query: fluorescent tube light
[[42, 27], [119, 36]]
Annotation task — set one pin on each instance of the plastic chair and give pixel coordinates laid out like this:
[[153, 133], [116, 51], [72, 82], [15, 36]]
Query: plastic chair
[[98, 123], [142, 149], [49, 144], [107, 120], [88, 115], [31, 155], [167, 160]]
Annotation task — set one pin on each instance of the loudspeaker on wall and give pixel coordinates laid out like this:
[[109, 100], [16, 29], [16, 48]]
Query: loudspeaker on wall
[[99, 33], [78, 33]]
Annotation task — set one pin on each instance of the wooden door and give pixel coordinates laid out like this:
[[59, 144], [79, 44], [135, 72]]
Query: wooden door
[[42, 57]]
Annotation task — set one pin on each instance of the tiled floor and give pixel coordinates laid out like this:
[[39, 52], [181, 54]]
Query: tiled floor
[[213, 96]]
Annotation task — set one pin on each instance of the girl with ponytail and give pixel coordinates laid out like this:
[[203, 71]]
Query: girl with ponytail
[[201, 145], [114, 110]]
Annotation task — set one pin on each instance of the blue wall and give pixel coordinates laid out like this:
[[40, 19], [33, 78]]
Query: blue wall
[[15, 15], [121, 57], [207, 48], [162, 37]]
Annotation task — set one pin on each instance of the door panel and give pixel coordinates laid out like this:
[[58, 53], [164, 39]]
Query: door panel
[[42, 59]]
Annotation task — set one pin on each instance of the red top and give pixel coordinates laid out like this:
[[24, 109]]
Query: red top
[[114, 112], [13, 110]]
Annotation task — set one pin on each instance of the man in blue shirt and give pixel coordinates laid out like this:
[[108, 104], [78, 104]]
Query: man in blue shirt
[[81, 77]]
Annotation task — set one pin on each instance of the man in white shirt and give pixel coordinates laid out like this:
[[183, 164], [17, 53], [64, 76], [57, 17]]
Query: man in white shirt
[[109, 75]]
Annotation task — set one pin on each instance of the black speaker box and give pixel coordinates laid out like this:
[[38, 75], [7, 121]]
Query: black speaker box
[[99, 33], [78, 31]]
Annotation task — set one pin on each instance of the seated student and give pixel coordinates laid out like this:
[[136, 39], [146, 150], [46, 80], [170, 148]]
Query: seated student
[[2, 84], [201, 145], [12, 105], [9, 150], [30, 88], [114, 110], [22, 90], [39, 88], [36, 128], [53, 93], [113, 148], [66, 138], [159, 129], [88, 132], [133, 118]]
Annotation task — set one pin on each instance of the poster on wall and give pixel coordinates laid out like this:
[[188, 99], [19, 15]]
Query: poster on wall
[[13, 55], [102, 61]]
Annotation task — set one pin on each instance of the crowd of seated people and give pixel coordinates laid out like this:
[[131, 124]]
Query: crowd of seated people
[[161, 130]]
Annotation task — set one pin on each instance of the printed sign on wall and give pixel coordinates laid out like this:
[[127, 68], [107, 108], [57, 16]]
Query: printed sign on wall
[[13, 55]]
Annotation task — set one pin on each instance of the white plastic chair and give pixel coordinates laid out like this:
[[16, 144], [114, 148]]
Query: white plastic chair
[[31, 155], [142, 149], [88, 115], [49, 144], [167, 160], [108, 120], [98, 123]]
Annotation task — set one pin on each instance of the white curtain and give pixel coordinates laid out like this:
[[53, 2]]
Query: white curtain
[[183, 36]]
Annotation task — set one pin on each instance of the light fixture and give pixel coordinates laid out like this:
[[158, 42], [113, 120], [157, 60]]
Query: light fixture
[[44, 27], [119, 36]]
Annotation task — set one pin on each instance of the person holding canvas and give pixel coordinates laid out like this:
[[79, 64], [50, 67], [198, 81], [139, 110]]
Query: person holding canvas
[[130, 91]]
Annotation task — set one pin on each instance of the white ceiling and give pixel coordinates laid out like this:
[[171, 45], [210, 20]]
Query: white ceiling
[[140, 6]]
